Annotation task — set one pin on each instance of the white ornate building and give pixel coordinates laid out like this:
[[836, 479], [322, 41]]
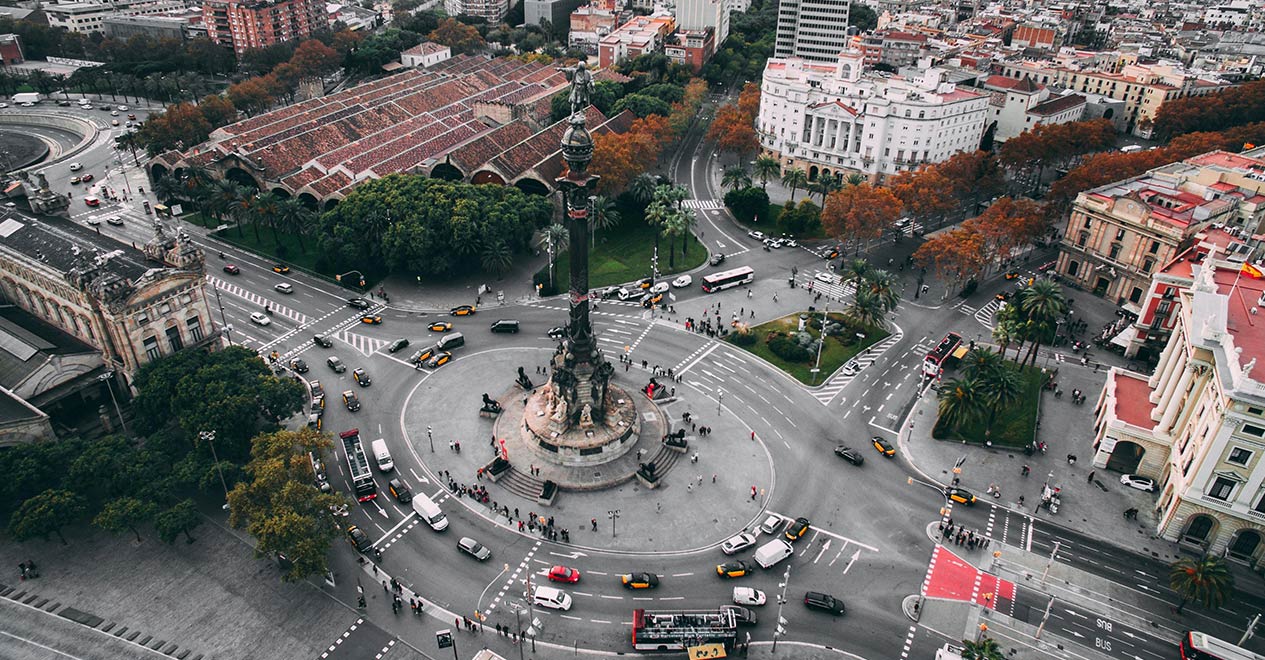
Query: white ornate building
[[836, 118], [1197, 424]]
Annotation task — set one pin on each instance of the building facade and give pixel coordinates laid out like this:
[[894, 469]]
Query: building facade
[[815, 30], [1197, 424], [835, 119], [248, 24], [590, 23], [1022, 105], [555, 12], [492, 10], [11, 49], [1119, 234], [691, 48], [700, 15], [641, 35], [154, 27], [90, 16], [427, 53]]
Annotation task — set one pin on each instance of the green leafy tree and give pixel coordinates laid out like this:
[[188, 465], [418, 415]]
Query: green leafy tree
[[1041, 305], [884, 287], [642, 106], [1206, 580], [496, 257], [603, 216], [47, 513], [642, 189], [554, 241], [748, 204], [856, 270], [295, 218], [867, 308], [279, 504], [125, 513], [179, 519], [985, 649]]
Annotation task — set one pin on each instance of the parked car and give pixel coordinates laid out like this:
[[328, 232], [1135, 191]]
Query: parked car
[[797, 529], [1140, 482], [757, 235]]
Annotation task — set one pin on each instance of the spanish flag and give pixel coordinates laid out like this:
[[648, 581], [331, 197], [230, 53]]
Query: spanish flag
[[1252, 271]]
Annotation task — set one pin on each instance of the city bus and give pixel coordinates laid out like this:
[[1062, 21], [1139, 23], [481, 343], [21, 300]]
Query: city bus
[[725, 279], [936, 357], [679, 630], [358, 464], [1199, 646]]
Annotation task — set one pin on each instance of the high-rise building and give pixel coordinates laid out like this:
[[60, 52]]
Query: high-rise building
[[698, 15], [815, 30], [492, 10], [249, 24]]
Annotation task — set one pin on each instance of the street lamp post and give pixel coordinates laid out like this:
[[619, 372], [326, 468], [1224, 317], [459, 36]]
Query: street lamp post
[[1048, 564], [821, 341], [430, 436], [614, 515], [209, 438], [779, 628], [228, 329], [106, 378], [720, 401]]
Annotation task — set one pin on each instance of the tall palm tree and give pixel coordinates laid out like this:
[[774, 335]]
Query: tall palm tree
[[959, 402], [767, 167], [602, 215], [856, 270], [824, 185], [795, 179], [1001, 388], [667, 201], [735, 177], [690, 220], [883, 285], [1006, 331], [867, 308], [295, 218], [1041, 305], [553, 240], [1206, 580], [168, 188], [854, 179], [985, 649], [496, 257], [674, 224], [264, 212], [981, 363], [642, 188]]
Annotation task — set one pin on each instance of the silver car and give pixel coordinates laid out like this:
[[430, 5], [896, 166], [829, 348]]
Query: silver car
[[473, 548]]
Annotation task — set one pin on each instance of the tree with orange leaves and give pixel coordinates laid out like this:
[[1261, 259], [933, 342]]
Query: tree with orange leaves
[[1008, 224], [619, 158], [956, 255], [733, 131], [973, 176], [924, 193], [749, 101], [859, 212]]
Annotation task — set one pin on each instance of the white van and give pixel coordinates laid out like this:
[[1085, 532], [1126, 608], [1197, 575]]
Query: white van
[[773, 552], [554, 599], [382, 455], [430, 512]]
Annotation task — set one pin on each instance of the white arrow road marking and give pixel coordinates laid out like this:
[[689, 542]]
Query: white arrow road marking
[[824, 547], [570, 555], [380, 509], [855, 556], [419, 477]]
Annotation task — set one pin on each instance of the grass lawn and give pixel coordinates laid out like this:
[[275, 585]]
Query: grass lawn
[[287, 249], [623, 253], [770, 227], [1014, 427], [833, 354]]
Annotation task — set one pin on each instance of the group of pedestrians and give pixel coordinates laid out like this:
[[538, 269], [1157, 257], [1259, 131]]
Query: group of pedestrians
[[959, 535]]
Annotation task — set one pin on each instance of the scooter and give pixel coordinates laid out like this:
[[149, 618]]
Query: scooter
[[268, 311]]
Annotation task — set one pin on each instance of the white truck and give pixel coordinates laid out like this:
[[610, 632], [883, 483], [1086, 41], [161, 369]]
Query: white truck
[[27, 97]]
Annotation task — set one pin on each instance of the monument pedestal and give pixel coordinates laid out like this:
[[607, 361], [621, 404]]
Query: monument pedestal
[[553, 440]]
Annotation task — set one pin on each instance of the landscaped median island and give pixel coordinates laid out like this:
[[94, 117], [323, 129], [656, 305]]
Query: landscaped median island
[[781, 343], [997, 402]]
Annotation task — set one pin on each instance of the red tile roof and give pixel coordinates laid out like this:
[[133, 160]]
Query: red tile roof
[[1133, 403]]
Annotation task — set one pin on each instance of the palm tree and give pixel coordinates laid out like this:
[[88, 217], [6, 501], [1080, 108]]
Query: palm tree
[[767, 167], [264, 211], [168, 188], [674, 224], [553, 239], [735, 177], [295, 218], [1206, 580], [998, 390], [667, 201], [602, 215], [496, 257], [867, 308], [856, 270], [642, 188], [883, 285], [854, 179], [1006, 331], [981, 364], [1041, 305], [690, 220], [795, 179], [824, 185], [959, 402], [985, 649]]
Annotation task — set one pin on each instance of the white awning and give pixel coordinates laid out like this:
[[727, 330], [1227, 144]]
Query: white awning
[[1126, 336]]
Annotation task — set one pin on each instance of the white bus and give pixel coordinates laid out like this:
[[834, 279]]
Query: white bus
[[725, 279]]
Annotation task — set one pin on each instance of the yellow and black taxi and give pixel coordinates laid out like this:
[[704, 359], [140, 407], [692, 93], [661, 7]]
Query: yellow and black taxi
[[440, 326], [361, 377], [439, 359], [960, 495], [639, 580], [733, 569], [797, 529], [651, 299], [399, 491], [645, 283], [1012, 275], [358, 539], [423, 355], [281, 268], [883, 446], [371, 319], [351, 401], [462, 310]]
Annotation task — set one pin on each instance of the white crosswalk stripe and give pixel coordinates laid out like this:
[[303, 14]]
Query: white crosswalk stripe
[[835, 290], [366, 345], [703, 204], [837, 382], [233, 289], [985, 313]]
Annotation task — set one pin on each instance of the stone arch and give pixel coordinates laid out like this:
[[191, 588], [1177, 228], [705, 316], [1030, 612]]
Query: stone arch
[[447, 172], [1245, 545], [158, 171], [825, 173], [1126, 457], [238, 175], [812, 173], [281, 193], [331, 203], [487, 177], [532, 187], [1109, 113], [1200, 529], [309, 200]]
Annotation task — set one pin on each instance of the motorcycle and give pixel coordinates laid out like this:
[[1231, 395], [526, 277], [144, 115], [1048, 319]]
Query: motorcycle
[[268, 311], [221, 255]]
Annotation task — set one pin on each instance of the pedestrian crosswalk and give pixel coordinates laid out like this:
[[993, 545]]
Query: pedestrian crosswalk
[[985, 314], [834, 289], [366, 345], [252, 297], [703, 204], [845, 375]]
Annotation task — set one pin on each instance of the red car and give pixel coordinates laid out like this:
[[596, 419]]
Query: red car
[[86, 178], [232, 269], [564, 574]]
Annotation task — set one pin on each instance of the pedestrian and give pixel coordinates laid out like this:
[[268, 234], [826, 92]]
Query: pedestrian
[[713, 478], [753, 436], [753, 491], [478, 474], [693, 427], [385, 590], [459, 623], [498, 628], [1091, 476], [775, 297], [1021, 500], [520, 525], [749, 296], [594, 523], [1025, 470], [753, 313]]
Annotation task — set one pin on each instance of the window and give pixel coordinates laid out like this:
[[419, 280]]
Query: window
[[1257, 431], [1073, 267], [1114, 252], [1082, 239], [1221, 489], [151, 348], [1239, 456], [1155, 247], [1135, 295], [1147, 265], [195, 328]]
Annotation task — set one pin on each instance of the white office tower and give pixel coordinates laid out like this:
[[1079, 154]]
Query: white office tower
[[815, 30]]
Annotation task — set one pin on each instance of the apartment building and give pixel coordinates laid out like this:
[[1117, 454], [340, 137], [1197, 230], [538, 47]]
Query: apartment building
[[641, 35], [1021, 105], [248, 24], [815, 30], [89, 17], [699, 15], [492, 10]]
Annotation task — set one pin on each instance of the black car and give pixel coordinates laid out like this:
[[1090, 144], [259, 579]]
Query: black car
[[298, 365], [825, 602], [849, 454], [397, 345], [742, 616], [322, 341], [399, 491], [717, 259], [359, 303]]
